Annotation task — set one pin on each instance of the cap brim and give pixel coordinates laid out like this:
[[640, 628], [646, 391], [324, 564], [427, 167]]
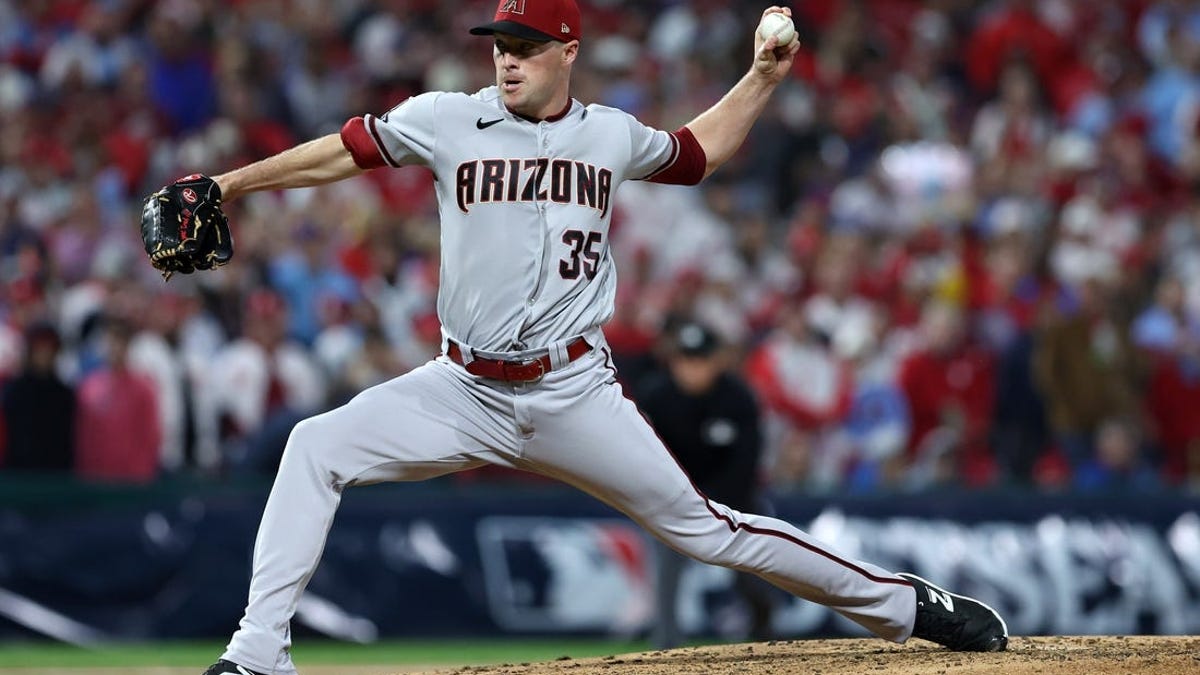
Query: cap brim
[[512, 28]]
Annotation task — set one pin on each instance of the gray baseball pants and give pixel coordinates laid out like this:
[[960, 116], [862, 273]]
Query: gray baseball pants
[[575, 425]]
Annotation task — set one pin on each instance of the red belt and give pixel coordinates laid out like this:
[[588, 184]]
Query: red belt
[[530, 370]]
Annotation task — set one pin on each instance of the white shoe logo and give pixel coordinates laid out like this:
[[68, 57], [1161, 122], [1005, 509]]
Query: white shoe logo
[[943, 597]]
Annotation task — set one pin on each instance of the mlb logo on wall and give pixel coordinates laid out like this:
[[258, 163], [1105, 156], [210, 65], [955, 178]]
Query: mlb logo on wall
[[565, 574], [513, 7]]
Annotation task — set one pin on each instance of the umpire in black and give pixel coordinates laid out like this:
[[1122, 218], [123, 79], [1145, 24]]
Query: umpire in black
[[709, 419]]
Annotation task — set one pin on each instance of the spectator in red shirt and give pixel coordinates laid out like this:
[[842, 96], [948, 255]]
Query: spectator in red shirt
[[950, 387], [1172, 402], [1015, 30], [118, 434]]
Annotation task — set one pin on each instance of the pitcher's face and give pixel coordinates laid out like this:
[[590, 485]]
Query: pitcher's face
[[533, 77]]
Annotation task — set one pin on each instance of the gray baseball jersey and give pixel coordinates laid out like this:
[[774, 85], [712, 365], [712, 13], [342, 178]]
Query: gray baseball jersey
[[525, 209]]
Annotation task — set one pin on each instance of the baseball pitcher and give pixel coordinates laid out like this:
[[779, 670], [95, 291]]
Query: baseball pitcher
[[525, 179]]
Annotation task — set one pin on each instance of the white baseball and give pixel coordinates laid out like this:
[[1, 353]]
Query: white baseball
[[780, 25]]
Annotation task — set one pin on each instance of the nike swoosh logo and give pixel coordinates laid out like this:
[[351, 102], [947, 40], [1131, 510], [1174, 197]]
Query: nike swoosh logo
[[480, 124]]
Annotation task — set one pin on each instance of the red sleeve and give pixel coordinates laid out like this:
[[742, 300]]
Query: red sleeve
[[688, 165], [361, 146]]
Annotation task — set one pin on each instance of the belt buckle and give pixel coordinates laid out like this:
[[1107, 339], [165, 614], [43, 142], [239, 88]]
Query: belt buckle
[[541, 366]]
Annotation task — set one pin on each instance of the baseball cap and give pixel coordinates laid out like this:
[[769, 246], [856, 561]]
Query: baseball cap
[[535, 20], [695, 339]]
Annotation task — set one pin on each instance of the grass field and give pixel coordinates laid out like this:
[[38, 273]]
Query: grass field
[[199, 655]]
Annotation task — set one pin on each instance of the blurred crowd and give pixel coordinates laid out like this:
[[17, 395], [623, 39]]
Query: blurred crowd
[[962, 245]]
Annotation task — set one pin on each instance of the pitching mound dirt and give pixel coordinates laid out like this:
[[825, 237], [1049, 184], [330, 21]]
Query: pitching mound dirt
[[1025, 656]]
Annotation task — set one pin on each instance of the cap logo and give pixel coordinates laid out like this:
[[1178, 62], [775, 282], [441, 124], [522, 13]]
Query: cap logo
[[512, 7], [565, 29]]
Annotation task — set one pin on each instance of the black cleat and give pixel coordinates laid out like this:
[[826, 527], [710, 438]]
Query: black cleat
[[956, 621], [224, 667]]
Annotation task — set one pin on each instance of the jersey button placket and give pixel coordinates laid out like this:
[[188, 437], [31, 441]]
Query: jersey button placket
[[543, 144]]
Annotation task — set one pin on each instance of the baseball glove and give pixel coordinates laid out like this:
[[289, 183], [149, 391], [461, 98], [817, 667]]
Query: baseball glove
[[184, 229]]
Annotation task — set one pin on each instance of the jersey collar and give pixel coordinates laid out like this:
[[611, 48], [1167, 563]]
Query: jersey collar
[[552, 118]]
